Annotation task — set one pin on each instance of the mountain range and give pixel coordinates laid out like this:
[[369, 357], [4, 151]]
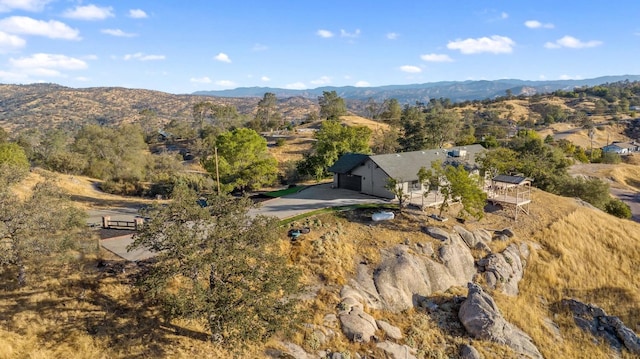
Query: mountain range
[[456, 91]]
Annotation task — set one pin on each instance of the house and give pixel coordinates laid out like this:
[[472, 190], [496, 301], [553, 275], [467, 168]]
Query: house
[[622, 148], [370, 174]]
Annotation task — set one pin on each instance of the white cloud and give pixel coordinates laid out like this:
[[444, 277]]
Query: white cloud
[[201, 80], [436, 58], [82, 79], [535, 24], [362, 84], [89, 12], [494, 44], [46, 65], [27, 26], [504, 15], [222, 57], [322, 81], [265, 79], [568, 77], [392, 35], [118, 33], [259, 47], [90, 57], [27, 5], [410, 69], [572, 43], [143, 57], [226, 83], [7, 76], [353, 35], [324, 33], [137, 14], [10, 43], [296, 86]]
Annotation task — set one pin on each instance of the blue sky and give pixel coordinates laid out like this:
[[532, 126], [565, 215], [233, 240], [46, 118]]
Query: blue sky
[[186, 46]]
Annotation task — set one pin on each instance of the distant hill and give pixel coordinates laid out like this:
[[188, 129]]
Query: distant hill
[[51, 105], [456, 91]]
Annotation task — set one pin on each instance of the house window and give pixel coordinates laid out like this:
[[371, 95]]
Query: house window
[[416, 186]]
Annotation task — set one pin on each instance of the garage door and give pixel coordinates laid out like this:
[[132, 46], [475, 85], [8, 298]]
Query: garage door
[[351, 182]]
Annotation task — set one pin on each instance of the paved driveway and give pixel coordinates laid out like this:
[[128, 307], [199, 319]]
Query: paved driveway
[[312, 198], [309, 199]]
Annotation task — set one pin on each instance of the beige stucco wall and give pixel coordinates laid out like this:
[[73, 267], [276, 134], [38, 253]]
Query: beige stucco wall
[[373, 180]]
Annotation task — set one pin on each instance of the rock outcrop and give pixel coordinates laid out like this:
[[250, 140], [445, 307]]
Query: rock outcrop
[[504, 270], [482, 319], [295, 351], [389, 330], [477, 239], [437, 233], [593, 319], [405, 276], [397, 351], [357, 325], [469, 352]]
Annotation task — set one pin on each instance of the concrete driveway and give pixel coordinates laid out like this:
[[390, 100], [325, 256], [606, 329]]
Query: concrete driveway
[[307, 200], [312, 198]]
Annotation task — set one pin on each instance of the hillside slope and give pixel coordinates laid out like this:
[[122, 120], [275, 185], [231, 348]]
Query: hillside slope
[[49, 105], [75, 309]]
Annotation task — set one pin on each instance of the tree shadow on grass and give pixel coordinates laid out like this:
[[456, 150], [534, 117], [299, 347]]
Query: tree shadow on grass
[[101, 304]]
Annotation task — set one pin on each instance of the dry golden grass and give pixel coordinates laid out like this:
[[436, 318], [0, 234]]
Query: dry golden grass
[[586, 255], [74, 310], [622, 175], [353, 120], [82, 190], [293, 149]]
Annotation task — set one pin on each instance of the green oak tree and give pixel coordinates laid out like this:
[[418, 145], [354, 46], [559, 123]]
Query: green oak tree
[[331, 105], [243, 161], [33, 228], [218, 265], [334, 140], [455, 183], [13, 162]]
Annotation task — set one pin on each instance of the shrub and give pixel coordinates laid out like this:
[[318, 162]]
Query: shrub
[[280, 142], [123, 186], [618, 208], [610, 158]]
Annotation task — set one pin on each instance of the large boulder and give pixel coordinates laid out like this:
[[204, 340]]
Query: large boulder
[[594, 319], [469, 352], [437, 233], [482, 319], [405, 277], [397, 351], [357, 325], [504, 270], [390, 330], [295, 351]]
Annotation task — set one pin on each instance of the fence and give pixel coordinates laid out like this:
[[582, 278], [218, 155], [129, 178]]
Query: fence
[[134, 225]]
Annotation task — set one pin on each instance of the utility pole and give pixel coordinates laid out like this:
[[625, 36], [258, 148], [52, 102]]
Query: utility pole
[[591, 134], [215, 149]]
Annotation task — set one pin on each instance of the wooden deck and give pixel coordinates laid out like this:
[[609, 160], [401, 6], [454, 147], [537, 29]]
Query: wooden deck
[[499, 198]]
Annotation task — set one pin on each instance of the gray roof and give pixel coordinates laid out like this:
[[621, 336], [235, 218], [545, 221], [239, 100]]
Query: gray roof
[[627, 145], [347, 162], [405, 165], [510, 179]]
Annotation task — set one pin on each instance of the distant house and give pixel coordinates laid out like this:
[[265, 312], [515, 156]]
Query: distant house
[[370, 174], [622, 148]]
